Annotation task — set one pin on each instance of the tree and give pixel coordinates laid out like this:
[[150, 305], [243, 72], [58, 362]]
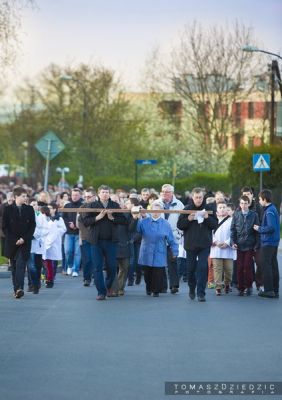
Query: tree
[[88, 112], [210, 74], [10, 24]]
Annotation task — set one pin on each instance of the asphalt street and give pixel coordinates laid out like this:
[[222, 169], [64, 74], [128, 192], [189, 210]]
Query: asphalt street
[[64, 345]]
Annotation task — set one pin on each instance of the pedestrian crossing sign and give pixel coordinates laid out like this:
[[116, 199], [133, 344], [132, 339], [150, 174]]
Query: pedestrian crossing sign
[[261, 162]]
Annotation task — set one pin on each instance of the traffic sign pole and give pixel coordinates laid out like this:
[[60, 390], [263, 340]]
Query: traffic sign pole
[[142, 162], [47, 166], [136, 176]]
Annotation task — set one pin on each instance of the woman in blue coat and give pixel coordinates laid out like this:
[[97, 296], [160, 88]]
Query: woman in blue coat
[[156, 236]]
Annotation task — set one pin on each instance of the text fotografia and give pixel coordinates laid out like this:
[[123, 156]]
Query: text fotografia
[[223, 388]]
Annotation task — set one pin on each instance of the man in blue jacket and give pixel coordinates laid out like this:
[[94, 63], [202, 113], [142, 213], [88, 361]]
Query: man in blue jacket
[[270, 237]]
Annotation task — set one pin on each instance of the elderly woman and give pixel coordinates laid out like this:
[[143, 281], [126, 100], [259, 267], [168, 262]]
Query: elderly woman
[[156, 235]]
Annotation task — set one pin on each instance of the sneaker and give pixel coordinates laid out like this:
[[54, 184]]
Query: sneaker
[[35, 290], [101, 297], [227, 289], [111, 293], [149, 293], [74, 274], [241, 293], [121, 292], [201, 299], [19, 293], [269, 295], [69, 271], [174, 290], [86, 282], [211, 285], [49, 284], [218, 292]]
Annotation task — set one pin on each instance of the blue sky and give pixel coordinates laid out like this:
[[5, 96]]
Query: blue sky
[[119, 34]]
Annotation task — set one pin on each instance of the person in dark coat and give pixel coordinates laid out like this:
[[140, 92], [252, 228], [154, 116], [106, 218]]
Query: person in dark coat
[[197, 228], [18, 227], [104, 236]]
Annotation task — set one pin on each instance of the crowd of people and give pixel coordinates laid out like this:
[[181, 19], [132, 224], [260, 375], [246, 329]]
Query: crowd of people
[[113, 239]]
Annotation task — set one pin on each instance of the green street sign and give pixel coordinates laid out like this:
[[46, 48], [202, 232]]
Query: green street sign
[[49, 144]]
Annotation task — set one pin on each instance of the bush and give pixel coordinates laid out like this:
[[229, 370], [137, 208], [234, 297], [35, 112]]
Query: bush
[[210, 181], [241, 167]]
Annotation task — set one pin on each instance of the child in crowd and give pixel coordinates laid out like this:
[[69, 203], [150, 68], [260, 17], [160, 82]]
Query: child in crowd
[[222, 254], [53, 244], [246, 240]]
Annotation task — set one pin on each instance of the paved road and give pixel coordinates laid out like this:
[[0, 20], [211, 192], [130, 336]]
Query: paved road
[[64, 345]]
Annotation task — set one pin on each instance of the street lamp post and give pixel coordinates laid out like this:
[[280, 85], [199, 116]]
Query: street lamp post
[[62, 171], [275, 72], [25, 151]]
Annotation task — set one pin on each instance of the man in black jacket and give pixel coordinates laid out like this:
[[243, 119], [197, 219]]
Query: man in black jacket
[[197, 228], [104, 238], [18, 227]]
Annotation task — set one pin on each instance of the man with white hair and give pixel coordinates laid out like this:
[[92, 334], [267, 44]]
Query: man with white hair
[[170, 202]]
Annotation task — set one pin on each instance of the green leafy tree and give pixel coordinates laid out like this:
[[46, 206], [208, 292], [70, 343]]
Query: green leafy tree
[[89, 113]]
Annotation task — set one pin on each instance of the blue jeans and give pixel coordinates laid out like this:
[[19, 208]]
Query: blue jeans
[[197, 270], [182, 267], [104, 250], [87, 260], [133, 261], [72, 252], [34, 266]]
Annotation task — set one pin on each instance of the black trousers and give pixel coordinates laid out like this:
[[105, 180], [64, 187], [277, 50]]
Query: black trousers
[[153, 277], [18, 266], [172, 272], [270, 271]]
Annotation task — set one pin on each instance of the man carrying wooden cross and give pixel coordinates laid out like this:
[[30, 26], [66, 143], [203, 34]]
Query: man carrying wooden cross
[[197, 228], [104, 240]]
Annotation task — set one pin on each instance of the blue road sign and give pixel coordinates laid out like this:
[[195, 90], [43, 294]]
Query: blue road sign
[[146, 162], [261, 162]]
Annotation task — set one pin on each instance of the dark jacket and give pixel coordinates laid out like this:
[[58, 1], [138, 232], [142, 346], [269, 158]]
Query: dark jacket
[[16, 226], [89, 219], [71, 216], [270, 229], [242, 232], [123, 249], [197, 236]]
